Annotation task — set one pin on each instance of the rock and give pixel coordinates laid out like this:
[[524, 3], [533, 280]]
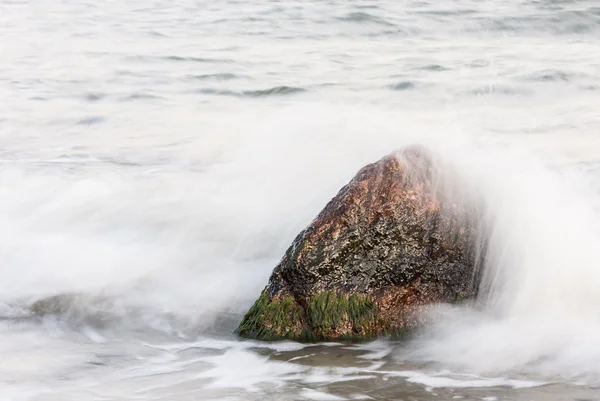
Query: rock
[[76, 309], [60, 304], [394, 240]]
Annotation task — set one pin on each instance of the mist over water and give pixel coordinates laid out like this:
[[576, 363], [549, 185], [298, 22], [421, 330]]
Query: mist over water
[[157, 159], [537, 309]]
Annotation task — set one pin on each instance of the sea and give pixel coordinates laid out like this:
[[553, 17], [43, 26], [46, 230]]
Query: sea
[[158, 157]]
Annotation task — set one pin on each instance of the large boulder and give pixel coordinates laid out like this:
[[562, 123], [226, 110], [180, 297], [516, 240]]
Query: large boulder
[[397, 238]]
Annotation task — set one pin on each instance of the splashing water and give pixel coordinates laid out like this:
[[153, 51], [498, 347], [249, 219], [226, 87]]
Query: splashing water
[[538, 297], [180, 261]]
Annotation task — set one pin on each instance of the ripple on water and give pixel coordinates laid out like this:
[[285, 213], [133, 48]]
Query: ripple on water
[[499, 89], [218, 92], [140, 96], [364, 18], [178, 59], [224, 76], [402, 86], [193, 59], [94, 96], [577, 21], [274, 91], [158, 34], [448, 12], [432, 67], [561, 22], [549, 75], [91, 120]]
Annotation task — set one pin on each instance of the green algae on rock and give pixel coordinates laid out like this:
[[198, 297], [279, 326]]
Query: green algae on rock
[[396, 239], [273, 319], [329, 314]]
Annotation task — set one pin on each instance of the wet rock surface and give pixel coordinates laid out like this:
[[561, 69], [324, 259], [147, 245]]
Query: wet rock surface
[[397, 238]]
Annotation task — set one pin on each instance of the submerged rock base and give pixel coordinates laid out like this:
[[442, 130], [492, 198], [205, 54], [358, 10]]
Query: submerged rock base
[[332, 316]]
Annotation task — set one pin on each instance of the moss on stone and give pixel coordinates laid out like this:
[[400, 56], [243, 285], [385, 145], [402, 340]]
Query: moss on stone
[[330, 315], [269, 321], [398, 333], [334, 315]]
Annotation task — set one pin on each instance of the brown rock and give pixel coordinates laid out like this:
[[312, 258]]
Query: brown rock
[[394, 240]]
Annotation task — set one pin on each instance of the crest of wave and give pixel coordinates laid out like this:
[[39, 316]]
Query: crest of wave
[[537, 310]]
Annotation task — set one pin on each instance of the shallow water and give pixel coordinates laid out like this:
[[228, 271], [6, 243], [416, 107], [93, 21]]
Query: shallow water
[[157, 158]]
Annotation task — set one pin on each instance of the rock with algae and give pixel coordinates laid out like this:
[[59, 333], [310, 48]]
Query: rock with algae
[[398, 237], [76, 308]]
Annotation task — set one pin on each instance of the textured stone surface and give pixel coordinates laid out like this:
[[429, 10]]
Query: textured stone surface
[[396, 238]]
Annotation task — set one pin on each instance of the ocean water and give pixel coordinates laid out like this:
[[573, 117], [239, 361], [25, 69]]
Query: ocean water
[[158, 157]]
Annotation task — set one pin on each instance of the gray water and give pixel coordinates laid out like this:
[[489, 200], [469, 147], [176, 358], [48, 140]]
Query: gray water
[[157, 158]]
